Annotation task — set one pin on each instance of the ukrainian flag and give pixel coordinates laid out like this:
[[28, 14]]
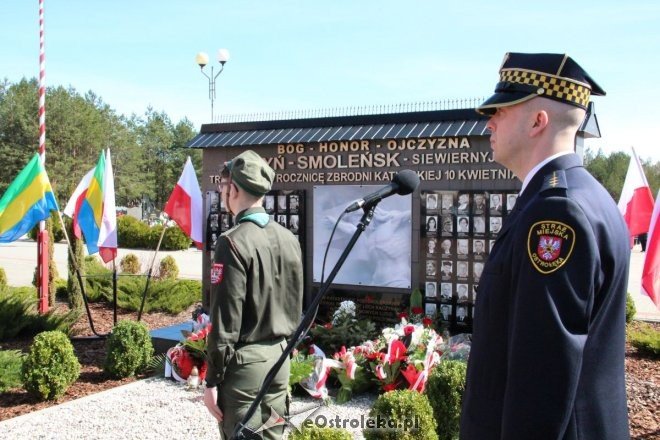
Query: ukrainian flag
[[28, 200]]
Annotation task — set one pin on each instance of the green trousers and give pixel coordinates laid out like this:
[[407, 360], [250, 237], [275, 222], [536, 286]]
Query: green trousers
[[243, 378]]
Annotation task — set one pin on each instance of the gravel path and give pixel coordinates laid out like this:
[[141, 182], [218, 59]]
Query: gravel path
[[152, 409]]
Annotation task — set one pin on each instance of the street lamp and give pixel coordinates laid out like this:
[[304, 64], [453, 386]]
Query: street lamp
[[202, 59]]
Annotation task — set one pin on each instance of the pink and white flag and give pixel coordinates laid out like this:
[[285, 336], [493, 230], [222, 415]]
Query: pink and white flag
[[651, 271], [636, 202], [185, 204]]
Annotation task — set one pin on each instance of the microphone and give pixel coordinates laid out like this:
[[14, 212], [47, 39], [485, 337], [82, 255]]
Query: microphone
[[404, 182]]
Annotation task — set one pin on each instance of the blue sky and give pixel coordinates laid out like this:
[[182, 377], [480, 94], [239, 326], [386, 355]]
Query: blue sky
[[295, 55]]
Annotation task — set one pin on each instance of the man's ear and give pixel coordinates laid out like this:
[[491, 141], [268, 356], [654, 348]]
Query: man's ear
[[539, 123]]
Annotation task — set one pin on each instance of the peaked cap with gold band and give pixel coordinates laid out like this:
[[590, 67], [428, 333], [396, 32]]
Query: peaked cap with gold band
[[524, 76]]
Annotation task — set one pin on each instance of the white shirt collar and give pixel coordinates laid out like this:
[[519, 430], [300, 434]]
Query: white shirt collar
[[538, 166]]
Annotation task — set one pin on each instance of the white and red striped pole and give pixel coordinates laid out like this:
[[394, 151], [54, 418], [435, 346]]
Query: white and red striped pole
[[42, 237]]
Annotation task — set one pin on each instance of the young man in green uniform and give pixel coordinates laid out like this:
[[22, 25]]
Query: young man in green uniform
[[256, 301]]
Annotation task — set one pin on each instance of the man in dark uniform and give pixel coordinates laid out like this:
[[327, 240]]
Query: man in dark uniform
[[547, 358], [256, 301]]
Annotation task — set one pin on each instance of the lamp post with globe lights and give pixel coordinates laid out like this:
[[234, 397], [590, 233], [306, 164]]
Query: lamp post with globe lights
[[202, 59]]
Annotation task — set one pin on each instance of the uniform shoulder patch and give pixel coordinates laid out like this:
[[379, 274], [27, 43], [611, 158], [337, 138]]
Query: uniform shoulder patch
[[217, 273], [549, 245]]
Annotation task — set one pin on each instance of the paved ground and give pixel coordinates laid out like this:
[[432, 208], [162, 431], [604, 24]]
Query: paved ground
[[19, 260]]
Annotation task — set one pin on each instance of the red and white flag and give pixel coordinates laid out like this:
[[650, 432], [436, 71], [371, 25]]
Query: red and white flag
[[185, 204], [651, 271], [636, 202]]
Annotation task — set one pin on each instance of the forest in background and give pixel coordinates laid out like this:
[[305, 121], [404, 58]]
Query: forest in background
[[147, 150]]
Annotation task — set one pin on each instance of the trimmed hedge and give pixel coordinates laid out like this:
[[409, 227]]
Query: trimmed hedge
[[645, 339], [51, 366], [11, 363], [313, 432], [134, 234], [129, 349], [407, 415], [445, 389]]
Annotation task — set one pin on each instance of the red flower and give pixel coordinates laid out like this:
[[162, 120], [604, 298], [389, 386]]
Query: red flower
[[427, 322], [402, 315], [328, 325], [417, 310], [311, 350], [411, 374], [390, 386], [408, 330], [397, 352]]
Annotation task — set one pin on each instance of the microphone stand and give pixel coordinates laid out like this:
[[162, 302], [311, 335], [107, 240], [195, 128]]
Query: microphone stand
[[238, 433]]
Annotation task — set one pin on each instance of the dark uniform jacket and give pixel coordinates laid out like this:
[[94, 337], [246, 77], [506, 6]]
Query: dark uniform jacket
[[547, 359], [256, 292]]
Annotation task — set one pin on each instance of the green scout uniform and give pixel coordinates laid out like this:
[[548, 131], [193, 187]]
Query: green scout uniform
[[256, 303]]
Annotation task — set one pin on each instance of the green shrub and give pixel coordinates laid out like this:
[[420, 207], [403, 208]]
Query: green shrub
[[61, 289], [408, 416], [98, 280], [58, 233], [175, 240], [301, 367], [3, 278], [168, 269], [130, 264], [445, 389], [11, 362], [51, 366], [646, 339], [19, 316], [132, 233], [313, 432], [631, 310], [129, 349]]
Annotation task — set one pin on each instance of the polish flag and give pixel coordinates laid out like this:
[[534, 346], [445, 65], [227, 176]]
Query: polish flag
[[636, 202], [185, 204], [651, 271]]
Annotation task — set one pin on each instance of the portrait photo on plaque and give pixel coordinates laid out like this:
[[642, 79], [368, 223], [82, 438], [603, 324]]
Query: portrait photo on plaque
[[496, 204], [462, 248], [495, 225], [447, 201], [511, 201], [462, 271], [294, 203], [479, 249], [463, 203], [479, 204], [447, 225], [461, 314], [269, 203], [463, 225], [477, 270], [445, 312], [447, 270], [430, 309], [446, 291], [431, 202], [431, 245], [431, 224], [430, 289], [446, 248]]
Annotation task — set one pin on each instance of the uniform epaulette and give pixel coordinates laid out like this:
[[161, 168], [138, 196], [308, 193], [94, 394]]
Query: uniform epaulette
[[554, 180]]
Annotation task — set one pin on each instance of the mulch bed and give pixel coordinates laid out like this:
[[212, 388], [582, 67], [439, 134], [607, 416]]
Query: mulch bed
[[642, 373]]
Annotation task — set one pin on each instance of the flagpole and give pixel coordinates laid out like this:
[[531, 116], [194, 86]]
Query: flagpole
[[79, 276], [42, 237], [151, 267], [114, 292]]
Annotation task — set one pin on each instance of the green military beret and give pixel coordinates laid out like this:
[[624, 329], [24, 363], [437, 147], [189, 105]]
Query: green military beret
[[252, 173]]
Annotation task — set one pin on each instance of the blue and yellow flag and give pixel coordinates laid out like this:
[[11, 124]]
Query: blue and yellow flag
[[28, 200]]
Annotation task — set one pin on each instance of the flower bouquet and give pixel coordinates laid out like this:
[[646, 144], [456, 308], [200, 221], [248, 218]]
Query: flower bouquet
[[189, 353]]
